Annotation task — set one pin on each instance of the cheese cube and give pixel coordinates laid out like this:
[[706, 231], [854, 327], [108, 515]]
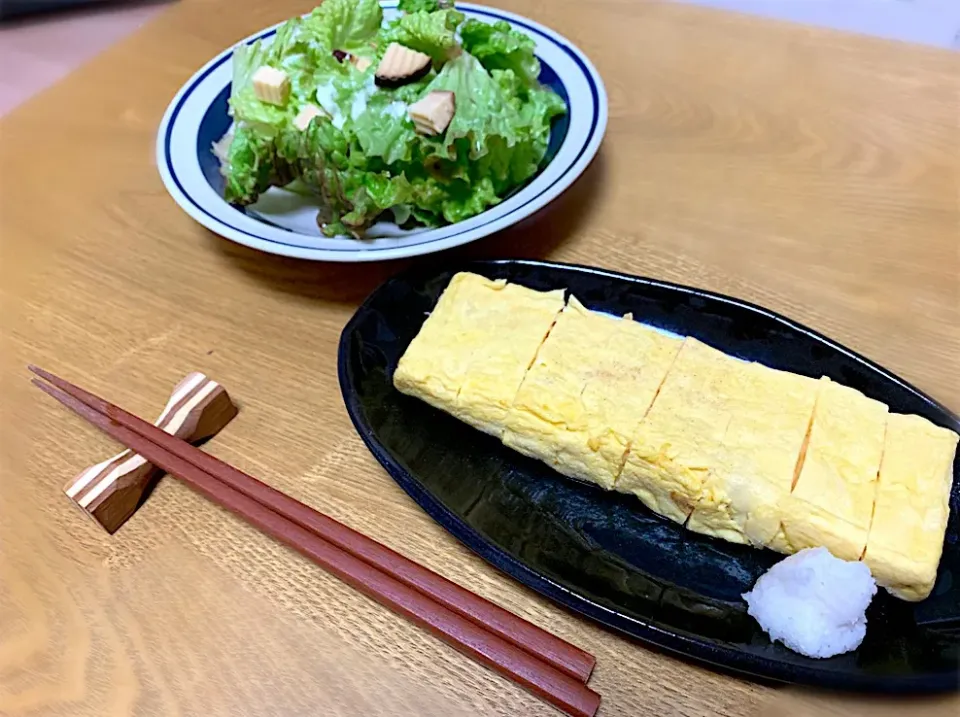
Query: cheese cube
[[361, 63], [401, 65], [303, 118], [271, 85], [433, 113]]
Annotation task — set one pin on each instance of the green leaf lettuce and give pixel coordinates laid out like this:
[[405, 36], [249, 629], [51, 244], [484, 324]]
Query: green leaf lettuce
[[498, 47], [363, 157]]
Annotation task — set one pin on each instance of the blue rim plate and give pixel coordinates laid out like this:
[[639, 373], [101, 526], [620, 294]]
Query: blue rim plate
[[604, 554], [283, 223]]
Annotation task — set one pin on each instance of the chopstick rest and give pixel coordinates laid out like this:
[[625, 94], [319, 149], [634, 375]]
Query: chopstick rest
[[110, 491]]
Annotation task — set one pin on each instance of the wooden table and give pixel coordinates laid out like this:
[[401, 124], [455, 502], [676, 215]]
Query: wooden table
[[812, 172]]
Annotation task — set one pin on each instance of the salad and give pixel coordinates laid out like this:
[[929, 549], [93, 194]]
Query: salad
[[431, 116]]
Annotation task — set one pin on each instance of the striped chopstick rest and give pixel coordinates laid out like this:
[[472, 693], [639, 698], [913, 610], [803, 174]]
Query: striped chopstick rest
[[111, 490]]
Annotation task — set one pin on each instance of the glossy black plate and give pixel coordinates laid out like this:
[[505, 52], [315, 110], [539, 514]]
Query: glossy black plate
[[604, 554]]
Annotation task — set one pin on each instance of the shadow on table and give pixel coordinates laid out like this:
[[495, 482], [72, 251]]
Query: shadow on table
[[19, 13], [533, 238], [807, 702]]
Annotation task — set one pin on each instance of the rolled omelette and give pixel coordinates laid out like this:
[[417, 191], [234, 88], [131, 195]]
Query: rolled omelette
[[474, 349], [728, 448], [591, 383]]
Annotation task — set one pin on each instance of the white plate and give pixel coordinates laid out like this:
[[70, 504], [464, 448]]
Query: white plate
[[284, 223]]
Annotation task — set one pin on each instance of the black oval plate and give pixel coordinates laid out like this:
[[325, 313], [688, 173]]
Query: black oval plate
[[604, 554]]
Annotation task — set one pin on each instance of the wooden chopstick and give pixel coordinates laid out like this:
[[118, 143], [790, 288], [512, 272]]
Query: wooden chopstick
[[512, 628], [528, 670]]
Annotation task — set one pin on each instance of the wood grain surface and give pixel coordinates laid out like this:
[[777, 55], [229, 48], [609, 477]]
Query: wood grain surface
[[812, 172]]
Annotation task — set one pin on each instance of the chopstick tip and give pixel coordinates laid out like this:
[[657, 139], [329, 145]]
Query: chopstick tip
[[41, 385], [44, 374]]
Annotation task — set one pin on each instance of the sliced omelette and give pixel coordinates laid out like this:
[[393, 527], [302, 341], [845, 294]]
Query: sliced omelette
[[592, 382], [731, 449], [912, 506], [832, 502], [680, 439], [512, 336], [767, 414], [434, 366], [475, 347]]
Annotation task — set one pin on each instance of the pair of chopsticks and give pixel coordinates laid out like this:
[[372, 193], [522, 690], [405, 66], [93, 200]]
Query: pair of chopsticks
[[549, 667]]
